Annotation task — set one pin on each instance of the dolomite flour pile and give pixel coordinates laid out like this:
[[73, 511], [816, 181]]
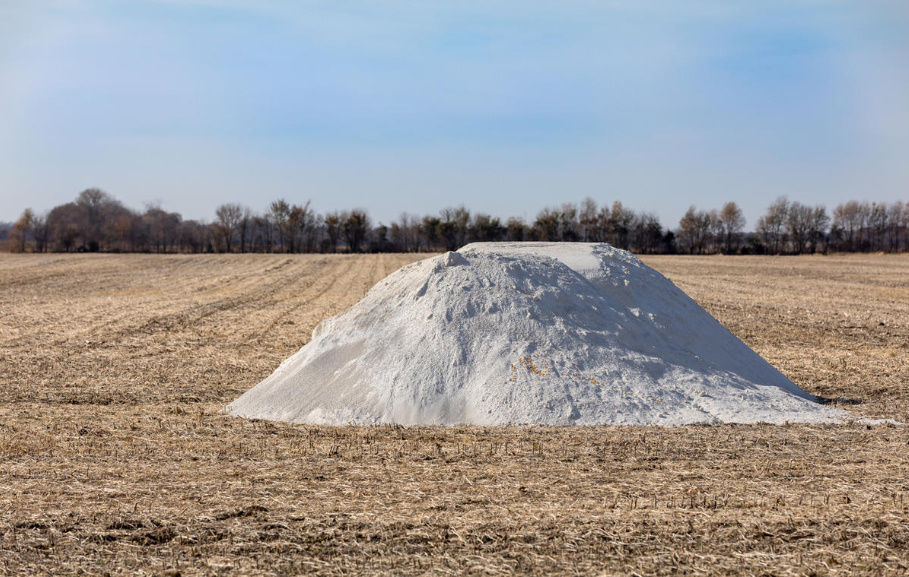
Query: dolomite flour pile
[[527, 333]]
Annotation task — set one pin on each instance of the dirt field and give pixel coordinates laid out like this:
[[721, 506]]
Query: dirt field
[[114, 458]]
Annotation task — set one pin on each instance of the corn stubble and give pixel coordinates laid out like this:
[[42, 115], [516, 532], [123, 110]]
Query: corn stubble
[[114, 458]]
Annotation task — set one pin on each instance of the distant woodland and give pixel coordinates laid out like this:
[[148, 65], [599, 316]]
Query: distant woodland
[[97, 222]]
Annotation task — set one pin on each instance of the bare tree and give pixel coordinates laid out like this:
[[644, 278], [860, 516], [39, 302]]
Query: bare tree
[[41, 232], [817, 230], [732, 222], [409, 232], [21, 230], [620, 222], [877, 226], [455, 226], [770, 228], [65, 223], [569, 224], [355, 227], [300, 223], [194, 236], [244, 228], [121, 231], [162, 227], [849, 219], [714, 231], [264, 233], [92, 201], [398, 239], [431, 230], [694, 228], [279, 213], [228, 217], [898, 216], [516, 229], [333, 222], [546, 226], [140, 235], [96, 212], [798, 225], [647, 233], [486, 228], [587, 219]]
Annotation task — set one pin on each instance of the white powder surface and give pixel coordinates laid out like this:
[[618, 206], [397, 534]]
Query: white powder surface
[[528, 333]]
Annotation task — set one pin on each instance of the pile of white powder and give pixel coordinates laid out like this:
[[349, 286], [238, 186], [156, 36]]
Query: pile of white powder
[[527, 333]]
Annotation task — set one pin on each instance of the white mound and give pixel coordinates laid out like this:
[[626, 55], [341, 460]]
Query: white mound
[[527, 333]]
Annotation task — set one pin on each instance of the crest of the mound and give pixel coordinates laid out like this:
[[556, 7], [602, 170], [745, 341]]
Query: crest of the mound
[[527, 333]]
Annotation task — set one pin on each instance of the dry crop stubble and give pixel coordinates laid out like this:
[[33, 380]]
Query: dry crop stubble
[[114, 458], [837, 326]]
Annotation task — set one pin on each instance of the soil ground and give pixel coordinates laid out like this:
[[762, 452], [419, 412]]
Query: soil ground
[[114, 458]]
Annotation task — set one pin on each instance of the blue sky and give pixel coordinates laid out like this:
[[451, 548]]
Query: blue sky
[[404, 106]]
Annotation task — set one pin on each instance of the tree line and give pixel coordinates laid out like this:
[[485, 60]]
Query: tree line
[[97, 222], [794, 228]]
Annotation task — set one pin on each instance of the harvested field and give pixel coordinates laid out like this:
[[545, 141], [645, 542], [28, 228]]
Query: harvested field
[[836, 326], [114, 458]]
